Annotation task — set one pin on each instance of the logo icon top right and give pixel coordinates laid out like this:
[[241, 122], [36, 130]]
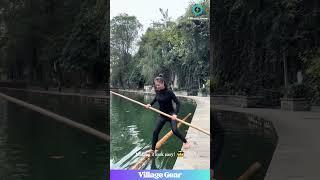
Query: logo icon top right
[[197, 9]]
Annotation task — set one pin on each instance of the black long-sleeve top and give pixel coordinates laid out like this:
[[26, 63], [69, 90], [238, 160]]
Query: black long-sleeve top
[[165, 98]]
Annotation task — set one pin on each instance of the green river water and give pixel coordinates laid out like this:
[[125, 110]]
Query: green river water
[[131, 128]]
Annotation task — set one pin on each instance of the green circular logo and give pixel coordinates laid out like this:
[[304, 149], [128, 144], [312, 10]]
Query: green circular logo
[[197, 9]]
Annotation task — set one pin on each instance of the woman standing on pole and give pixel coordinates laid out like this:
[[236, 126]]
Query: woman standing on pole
[[164, 97]]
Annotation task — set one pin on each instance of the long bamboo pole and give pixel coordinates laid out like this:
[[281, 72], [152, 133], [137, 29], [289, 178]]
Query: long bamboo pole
[[158, 146], [169, 134], [253, 169], [160, 112], [57, 117]]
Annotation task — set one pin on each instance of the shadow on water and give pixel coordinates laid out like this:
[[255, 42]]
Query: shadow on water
[[240, 140], [132, 127], [35, 147]]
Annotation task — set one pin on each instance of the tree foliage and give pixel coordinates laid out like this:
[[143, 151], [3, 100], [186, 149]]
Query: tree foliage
[[178, 49], [124, 31], [251, 40], [55, 40]]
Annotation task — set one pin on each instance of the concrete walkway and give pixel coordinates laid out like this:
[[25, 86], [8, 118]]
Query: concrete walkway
[[297, 155], [198, 155]]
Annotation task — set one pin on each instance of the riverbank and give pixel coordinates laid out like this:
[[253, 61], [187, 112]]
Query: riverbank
[[297, 153], [95, 96], [198, 155]]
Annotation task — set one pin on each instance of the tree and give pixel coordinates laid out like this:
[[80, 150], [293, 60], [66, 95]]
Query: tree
[[56, 40], [124, 31], [252, 39], [180, 50]]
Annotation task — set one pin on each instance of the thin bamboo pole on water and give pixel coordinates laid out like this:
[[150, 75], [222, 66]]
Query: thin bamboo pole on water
[[251, 171], [57, 117], [169, 134], [160, 112], [158, 146]]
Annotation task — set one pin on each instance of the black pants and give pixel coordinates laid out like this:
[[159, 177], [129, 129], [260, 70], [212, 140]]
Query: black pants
[[161, 122]]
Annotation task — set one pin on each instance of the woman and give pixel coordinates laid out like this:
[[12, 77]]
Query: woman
[[164, 97]]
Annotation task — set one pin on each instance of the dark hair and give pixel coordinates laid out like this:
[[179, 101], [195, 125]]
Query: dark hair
[[161, 79]]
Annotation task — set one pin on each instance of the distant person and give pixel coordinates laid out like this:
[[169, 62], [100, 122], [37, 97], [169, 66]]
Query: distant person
[[164, 97]]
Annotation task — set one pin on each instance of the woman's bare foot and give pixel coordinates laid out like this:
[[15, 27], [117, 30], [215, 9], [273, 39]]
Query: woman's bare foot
[[186, 145], [150, 152]]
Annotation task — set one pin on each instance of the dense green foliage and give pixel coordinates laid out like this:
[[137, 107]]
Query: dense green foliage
[[178, 49], [124, 31], [252, 40], [313, 75], [54, 41]]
